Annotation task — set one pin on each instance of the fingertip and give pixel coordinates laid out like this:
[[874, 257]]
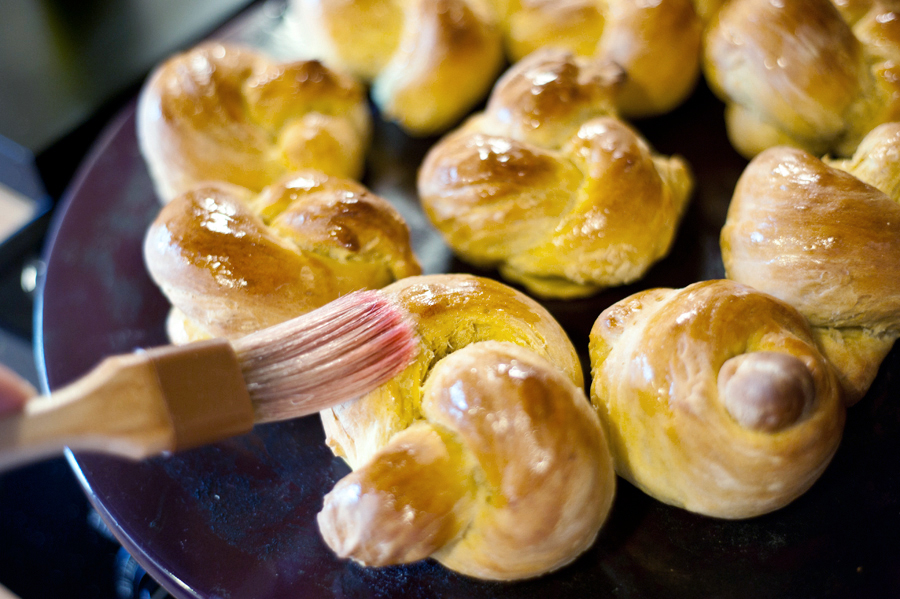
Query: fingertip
[[14, 390]]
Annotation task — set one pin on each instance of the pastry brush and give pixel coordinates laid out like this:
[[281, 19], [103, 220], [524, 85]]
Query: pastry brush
[[171, 398]]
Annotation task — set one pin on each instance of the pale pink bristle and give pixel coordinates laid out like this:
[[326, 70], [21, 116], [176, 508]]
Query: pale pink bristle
[[325, 357]]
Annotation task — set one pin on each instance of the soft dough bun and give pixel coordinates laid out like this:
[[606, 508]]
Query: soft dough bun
[[656, 43], [824, 236], [226, 113], [428, 61], [232, 262], [715, 397], [804, 73], [483, 454], [550, 188]]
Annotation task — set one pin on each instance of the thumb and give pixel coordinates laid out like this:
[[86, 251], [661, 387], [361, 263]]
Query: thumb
[[14, 391]]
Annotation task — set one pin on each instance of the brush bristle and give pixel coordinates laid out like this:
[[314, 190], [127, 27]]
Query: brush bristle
[[325, 357]]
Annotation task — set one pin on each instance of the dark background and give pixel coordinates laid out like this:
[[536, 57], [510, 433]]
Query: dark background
[[65, 69]]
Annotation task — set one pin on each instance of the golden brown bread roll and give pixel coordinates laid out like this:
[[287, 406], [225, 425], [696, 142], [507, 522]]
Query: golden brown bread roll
[[225, 113], [232, 262], [549, 188], [656, 43], [715, 397], [429, 61], [804, 73], [826, 239], [432, 60], [484, 453]]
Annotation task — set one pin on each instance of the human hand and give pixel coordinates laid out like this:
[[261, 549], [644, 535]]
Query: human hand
[[14, 391]]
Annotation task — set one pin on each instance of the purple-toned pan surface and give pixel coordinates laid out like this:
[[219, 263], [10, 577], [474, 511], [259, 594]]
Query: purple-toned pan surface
[[237, 519]]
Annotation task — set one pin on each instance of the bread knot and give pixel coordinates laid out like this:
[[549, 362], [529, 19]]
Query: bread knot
[[220, 112], [428, 61], [657, 44], [813, 74], [716, 397], [552, 189], [232, 261], [484, 454], [431, 61], [824, 236]]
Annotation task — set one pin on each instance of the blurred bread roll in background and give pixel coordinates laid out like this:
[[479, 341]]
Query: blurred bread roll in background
[[657, 44], [221, 112], [429, 62], [232, 261], [813, 74], [824, 236], [483, 454], [549, 187], [715, 397]]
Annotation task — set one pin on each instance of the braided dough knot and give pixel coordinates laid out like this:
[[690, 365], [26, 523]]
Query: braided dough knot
[[551, 189], [429, 61], [232, 262], [483, 454], [225, 113], [656, 43], [824, 236], [716, 397], [805, 73]]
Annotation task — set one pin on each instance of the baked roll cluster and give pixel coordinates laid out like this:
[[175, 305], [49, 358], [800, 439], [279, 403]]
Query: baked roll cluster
[[549, 187], [232, 261], [431, 61], [824, 236], [483, 454], [726, 398], [813, 74], [716, 397], [220, 112]]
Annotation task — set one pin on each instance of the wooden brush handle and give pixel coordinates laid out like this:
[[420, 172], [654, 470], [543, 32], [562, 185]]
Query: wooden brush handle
[[117, 408], [136, 406], [6, 594]]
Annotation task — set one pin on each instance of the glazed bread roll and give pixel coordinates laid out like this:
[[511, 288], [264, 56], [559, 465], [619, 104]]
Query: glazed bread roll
[[548, 187], [483, 454], [804, 73], [715, 397], [428, 61], [232, 262], [825, 238], [656, 43], [225, 113]]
